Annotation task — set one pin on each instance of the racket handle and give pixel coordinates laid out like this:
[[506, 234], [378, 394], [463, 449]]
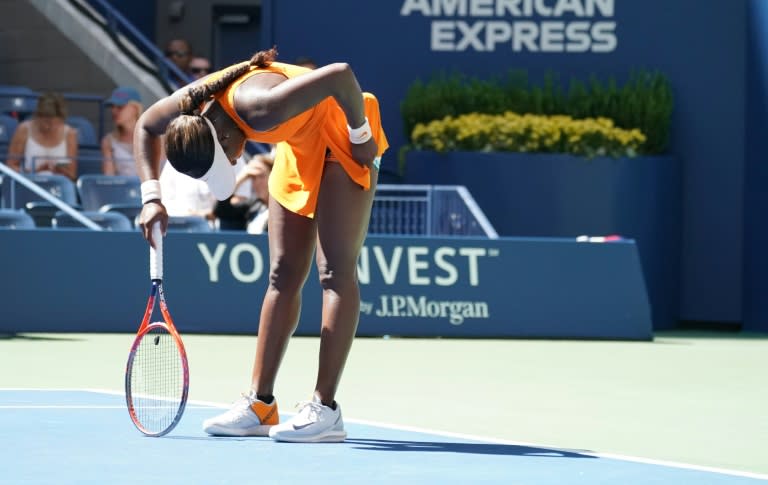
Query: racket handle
[[156, 253]]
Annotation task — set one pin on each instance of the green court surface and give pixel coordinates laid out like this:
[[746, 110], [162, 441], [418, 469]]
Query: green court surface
[[693, 398]]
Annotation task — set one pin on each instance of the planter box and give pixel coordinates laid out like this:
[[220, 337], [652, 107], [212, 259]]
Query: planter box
[[567, 196]]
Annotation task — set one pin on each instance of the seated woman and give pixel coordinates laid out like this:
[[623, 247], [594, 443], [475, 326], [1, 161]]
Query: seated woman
[[45, 143], [117, 146]]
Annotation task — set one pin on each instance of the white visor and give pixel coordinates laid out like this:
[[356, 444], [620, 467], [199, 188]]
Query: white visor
[[221, 176]]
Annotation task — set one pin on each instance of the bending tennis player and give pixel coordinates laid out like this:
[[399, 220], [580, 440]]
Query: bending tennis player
[[316, 202]]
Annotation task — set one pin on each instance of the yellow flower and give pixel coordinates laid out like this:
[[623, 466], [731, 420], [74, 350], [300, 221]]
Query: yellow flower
[[528, 133]]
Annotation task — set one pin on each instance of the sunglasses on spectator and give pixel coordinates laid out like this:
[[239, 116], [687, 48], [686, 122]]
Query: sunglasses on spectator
[[200, 70], [177, 53]]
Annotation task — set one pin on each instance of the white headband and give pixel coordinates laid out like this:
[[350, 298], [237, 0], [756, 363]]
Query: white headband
[[221, 176]]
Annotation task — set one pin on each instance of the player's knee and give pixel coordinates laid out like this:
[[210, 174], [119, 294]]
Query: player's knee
[[286, 275], [335, 277]]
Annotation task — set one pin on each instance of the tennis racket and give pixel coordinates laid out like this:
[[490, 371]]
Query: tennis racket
[[157, 374]]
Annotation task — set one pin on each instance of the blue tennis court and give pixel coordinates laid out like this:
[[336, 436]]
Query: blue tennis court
[[84, 436]]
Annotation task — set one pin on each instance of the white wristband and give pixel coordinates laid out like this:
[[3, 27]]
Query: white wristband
[[360, 135], [150, 190]]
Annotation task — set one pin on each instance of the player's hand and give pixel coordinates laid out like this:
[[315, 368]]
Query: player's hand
[[153, 213], [364, 153]]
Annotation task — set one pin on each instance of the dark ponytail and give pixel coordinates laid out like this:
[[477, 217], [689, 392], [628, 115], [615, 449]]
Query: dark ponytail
[[195, 96]]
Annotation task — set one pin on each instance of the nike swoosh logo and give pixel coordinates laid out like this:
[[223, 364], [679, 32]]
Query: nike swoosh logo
[[301, 426]]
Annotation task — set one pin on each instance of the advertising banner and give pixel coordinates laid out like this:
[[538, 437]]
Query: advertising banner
[[79, 281]]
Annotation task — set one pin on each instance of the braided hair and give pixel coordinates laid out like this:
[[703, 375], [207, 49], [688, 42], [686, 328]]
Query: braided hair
[[188, 142]]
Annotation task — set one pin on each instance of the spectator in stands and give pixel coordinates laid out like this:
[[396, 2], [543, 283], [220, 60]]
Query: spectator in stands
[[187, 196], [314, 205], [45, 143], [117, 146], [199, 67], [179, 52], [248, 212], [257, 173]]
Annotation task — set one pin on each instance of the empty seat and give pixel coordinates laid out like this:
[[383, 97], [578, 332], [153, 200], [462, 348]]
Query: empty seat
[[86, 133], [42, 212], [98, 190], [131, 211], [15, 219], [112, 221], [8, 125], [89, 161], [16, 196], [19, 100], [188, 224]]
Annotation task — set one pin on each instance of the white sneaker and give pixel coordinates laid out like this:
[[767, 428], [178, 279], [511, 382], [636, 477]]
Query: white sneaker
[[247, 417], [314, 423]]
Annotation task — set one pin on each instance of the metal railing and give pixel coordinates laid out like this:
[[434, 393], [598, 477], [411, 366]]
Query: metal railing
[[48, 197], [131, 42], [428, 210]]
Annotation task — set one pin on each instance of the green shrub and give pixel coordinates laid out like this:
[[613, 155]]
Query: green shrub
[[644, 102]]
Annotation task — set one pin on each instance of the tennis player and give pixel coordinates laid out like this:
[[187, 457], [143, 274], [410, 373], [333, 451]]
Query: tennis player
[[317, 202]]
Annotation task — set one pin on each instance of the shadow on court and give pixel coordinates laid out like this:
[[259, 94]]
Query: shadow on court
[[466, 448], [39, 338], [419, 446]]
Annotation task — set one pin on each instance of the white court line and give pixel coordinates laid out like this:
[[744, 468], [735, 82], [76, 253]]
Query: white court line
[[76, 406], [648, 461], [190, 404]]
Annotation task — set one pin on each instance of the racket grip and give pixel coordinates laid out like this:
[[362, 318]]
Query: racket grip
[[156, 253]]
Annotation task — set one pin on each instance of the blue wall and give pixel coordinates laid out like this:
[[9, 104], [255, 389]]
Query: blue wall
[[699, 44], [756, 198], [140, 13]]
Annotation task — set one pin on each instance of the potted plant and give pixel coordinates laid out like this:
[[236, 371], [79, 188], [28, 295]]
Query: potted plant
[[545, 161]]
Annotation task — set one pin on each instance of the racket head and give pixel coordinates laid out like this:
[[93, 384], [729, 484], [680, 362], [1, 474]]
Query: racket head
[[156, 379]]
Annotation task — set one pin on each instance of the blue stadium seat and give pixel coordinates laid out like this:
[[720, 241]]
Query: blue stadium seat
[[8, 125], [112, 221], [86, 133], [188, 224], [16, 196], [15, 219], [131, 211], [20, 100], [42, 212], [89, 161], [98, 190]]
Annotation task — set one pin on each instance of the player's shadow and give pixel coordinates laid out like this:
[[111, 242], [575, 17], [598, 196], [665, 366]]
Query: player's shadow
[[466, 448]]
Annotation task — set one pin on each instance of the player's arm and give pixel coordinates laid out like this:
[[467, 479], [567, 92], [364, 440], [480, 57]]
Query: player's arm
[[148, 150], [267, 108], [148, 133]]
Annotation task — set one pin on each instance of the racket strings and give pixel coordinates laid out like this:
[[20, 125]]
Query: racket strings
[[157, 380]]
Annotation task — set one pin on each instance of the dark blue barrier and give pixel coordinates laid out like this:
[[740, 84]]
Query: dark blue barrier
[[756, 198], [555, 195], [80, 281]]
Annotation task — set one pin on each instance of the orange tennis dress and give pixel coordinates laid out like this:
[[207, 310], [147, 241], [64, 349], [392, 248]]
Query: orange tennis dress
[[302, 142]]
